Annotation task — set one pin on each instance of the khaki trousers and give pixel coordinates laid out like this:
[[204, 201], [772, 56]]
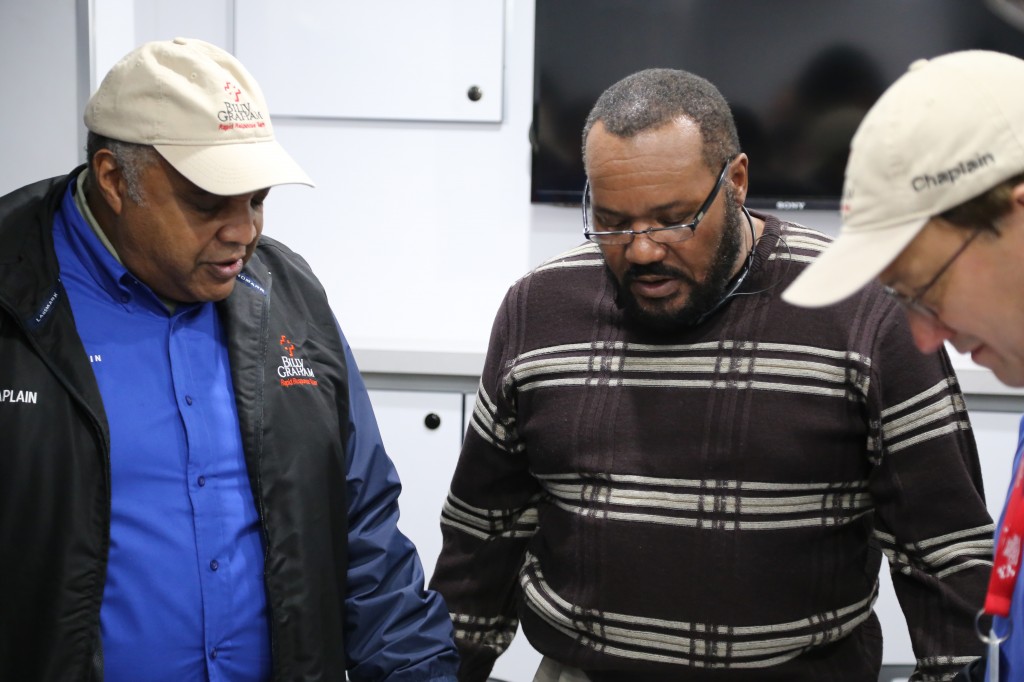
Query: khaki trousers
[[551, 670]]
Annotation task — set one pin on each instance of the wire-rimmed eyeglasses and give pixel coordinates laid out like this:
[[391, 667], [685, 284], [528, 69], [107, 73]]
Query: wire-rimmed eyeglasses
[[664, 235], [914, 302]]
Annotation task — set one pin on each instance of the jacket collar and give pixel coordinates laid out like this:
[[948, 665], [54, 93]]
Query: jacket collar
[[29, 273], [30, 289]]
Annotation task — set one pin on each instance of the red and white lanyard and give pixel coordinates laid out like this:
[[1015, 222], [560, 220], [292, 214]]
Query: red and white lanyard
[[1005, 568], [1006, 563]]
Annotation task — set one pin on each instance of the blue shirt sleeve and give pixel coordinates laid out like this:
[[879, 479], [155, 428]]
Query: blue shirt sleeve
[[394, 628]]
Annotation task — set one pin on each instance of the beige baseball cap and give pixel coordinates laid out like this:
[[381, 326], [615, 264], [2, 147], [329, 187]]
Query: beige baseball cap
[[947, 130], [201, 110]]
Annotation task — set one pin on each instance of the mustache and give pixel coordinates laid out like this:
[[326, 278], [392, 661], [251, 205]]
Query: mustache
[[654, 270]]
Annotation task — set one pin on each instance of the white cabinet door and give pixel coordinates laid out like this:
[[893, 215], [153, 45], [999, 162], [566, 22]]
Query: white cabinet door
[[387, 59], [426, 459], [422, 433], [996, 435]]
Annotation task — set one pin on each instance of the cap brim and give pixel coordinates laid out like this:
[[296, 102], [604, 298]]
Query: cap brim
[[231, 169], [849, 263]]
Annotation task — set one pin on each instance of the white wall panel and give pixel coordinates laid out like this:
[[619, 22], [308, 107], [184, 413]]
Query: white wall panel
[[386, 59], [40, 118]]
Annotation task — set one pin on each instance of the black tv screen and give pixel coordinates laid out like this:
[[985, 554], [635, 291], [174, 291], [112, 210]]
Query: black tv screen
[[798, 74]]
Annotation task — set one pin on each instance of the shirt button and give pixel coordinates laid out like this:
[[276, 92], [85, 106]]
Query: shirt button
[[188, 399], [214, 565], [201, 481], [125, 298], [213, 653]]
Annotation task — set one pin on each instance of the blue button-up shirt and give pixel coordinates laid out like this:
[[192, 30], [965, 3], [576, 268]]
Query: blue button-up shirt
[[184, 597]]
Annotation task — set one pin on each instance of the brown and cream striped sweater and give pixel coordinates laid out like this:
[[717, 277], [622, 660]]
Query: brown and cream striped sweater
[[713, 505]]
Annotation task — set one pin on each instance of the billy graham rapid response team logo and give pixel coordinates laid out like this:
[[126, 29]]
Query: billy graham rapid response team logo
[[293, 370], [236, 113]]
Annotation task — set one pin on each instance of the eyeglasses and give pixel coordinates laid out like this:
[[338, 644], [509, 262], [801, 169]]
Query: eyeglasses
[[663, 235], [914, 302]]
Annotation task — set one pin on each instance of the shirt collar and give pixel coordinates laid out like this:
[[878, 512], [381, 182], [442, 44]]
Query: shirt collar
[[83, 208]]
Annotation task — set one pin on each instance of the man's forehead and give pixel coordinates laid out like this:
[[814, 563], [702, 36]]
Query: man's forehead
[[176, 178], [647, 168], [674, 138], [661, 179]]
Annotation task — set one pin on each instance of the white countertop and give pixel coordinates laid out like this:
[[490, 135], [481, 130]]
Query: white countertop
[[429, 366], [419, 362]]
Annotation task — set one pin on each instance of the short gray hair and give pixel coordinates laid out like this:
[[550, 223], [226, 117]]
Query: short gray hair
[[131, 158], [651, 98]]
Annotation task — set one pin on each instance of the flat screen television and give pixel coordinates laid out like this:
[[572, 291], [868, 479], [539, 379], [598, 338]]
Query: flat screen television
[[798, 74]]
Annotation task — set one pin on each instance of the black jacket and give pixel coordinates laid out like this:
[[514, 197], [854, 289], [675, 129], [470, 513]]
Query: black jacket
[[55, 446]]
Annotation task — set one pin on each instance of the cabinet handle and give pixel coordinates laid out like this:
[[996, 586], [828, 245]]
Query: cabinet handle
[[431, 421]]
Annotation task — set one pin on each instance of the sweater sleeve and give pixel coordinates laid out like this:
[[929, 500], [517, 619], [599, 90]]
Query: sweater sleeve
[[931, 520], [488, 518], [394, 629]]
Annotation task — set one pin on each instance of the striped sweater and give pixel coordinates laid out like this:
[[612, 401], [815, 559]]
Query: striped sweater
[[714, 504]]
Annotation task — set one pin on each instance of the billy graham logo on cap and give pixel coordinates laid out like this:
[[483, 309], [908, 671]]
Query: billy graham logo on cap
[[237, 112], [201, 110], [847, 201]]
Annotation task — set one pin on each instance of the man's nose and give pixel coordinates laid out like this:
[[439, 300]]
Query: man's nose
[[929, 332], [239, 224], [643, 249]]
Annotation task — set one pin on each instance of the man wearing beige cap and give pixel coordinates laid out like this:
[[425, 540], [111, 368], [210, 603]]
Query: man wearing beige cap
[[933, 208], [192, 484]]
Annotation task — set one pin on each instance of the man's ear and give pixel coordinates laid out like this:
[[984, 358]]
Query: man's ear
[[108, 180], [1017, 195], [738, 177], [1012, 218]]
